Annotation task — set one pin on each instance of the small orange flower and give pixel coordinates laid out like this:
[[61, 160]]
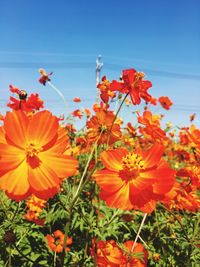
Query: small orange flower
[[25, 103], [76, 99], [133, 261], [152, 125], [77, 113], [35, 207], [134, 179], [45, 77], [106, 93], [108, 254], [56, 242], [32, 155], [99, 126], [165, 102], [133, 83]]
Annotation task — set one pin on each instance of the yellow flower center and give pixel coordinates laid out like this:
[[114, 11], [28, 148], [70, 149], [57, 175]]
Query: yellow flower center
[[132, 164], [32, 150]]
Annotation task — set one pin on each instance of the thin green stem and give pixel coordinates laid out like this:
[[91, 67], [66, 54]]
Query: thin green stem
[[76, 195], [108, 139], [9, 259], [24, 256]]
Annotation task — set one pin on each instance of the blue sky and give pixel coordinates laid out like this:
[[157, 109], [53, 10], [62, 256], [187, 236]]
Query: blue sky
[[161, 38]]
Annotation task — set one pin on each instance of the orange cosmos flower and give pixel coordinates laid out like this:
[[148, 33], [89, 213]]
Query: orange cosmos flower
[[77, 113], [56, 242], [25, 103], [133, 83], [134, 261], [134, 179], [194, 135], [152, 123], [45, 77], [106, 93], [32, 155], [76, 99], [108, 254], [35, 207], [99, 126], [165, 102]]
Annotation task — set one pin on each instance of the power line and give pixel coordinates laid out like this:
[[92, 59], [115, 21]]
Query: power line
[[91, 65]]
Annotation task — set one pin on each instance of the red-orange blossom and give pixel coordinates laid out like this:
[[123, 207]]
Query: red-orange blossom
[[134, 179]]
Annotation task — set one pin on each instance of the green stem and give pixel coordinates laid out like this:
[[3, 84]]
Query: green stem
[[108, 140], [24, 256], [9, 259], [76, 195]]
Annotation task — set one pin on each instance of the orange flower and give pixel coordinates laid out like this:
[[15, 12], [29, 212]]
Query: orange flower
[[133, 83], [56, 242], [99, 126], [33, 102], [106, 93], [165, 102], [194, 135], [77, 113], [31, 155], [45, 77], [108, 254], [35, 207], [133, 261], [76, 99], [133, 180], [152, 123]]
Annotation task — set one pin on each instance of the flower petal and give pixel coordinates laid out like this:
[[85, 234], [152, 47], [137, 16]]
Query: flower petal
[[112, 158], [15, 125], [42, 128], [108, 180], [43, 181], [153, 155], [63, 165], [119, 199], [15, 182], [10, 158]]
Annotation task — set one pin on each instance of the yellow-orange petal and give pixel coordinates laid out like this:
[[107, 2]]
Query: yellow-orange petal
[[119, 199], [15, 182], [43, 181], [63, 165], [10, 158], [152, 156], [108, 180], [42, 128], [62, 142], [2, 135], [15, 125], [112, 158]]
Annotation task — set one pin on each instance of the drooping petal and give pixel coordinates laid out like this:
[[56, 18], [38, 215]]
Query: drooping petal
[[15, 182], [10, 158], [42, 128], [16, 125], [112, 158]]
